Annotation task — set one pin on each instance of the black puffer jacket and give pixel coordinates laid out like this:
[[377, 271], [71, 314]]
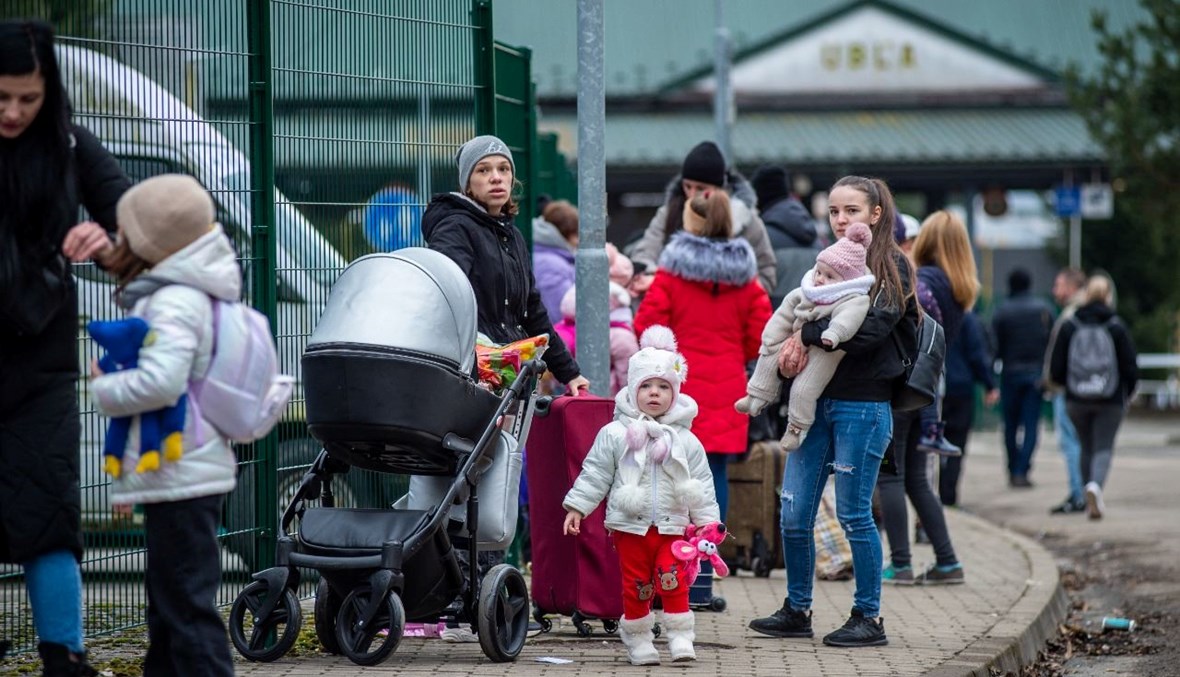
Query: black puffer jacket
[[493, 255], [40, 508]]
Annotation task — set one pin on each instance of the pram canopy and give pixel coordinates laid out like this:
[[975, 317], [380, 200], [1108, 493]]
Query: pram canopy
[[388, 369], [414, 299]]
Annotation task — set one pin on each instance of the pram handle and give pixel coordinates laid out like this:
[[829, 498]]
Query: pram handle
[[458, 444]]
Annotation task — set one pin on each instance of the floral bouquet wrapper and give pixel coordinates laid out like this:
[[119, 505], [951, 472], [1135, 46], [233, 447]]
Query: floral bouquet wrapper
[[499, 364]]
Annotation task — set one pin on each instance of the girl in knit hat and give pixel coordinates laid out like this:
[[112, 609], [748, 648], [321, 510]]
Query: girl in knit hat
[[170, 260], [652, 472], [837, 288]]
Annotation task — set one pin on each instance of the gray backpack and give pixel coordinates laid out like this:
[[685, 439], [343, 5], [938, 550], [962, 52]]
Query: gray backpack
[[1092, 372]]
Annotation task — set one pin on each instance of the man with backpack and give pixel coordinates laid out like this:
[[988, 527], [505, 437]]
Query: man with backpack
[[1069, 293], [1094, 358], [1021, 327]]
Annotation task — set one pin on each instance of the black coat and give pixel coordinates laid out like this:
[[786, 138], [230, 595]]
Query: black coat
[[1021, 328], [493, 255], [40, 508]]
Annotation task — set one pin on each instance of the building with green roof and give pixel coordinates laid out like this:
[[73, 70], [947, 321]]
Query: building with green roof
[[946, 100]]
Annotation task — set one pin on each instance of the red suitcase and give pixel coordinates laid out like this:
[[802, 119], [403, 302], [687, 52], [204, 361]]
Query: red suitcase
[[574, 576]]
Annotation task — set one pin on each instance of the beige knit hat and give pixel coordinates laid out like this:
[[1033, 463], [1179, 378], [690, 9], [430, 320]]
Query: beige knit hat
[[164, 214]]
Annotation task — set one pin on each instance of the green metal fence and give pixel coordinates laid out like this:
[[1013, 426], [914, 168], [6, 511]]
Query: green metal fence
[[321, 127]]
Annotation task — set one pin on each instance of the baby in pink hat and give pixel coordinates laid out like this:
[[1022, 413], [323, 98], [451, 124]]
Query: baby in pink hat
[[837, 287]]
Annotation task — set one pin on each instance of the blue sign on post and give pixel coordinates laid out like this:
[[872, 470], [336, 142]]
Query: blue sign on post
[[1069, 200]]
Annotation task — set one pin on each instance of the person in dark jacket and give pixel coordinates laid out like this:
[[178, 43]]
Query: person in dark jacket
[[1095, 415], [1021, 327], [790, 228], [704, 170], [946, 273], [48, 166], [853, 425], [788, 223], [475, 229], [968, 361]]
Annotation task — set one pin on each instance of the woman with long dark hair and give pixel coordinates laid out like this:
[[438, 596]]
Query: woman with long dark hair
[[853, 426], [48, 167]]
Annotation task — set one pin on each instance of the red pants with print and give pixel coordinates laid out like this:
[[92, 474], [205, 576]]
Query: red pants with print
[[649, 569]]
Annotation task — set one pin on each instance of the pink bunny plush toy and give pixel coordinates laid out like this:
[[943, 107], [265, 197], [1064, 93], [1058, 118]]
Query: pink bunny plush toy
[[701, 543]]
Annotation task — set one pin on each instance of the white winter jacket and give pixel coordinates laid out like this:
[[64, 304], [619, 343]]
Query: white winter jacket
[[641, 493], [181, 315]]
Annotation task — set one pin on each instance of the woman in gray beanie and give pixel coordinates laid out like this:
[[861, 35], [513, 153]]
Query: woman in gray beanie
[[474, 227]]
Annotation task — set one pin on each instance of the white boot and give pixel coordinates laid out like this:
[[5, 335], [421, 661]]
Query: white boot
[[681, 631], [637, 636]]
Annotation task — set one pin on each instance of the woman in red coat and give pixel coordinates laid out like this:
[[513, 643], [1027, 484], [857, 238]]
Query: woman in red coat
[[706, 290]]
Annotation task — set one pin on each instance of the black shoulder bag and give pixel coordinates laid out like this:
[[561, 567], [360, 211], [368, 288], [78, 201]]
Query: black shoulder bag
[[918, 385]]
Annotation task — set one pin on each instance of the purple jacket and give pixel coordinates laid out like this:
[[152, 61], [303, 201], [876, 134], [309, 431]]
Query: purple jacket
[[553, 266]]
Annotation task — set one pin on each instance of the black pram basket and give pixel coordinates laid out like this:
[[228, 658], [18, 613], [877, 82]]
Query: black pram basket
[[387, 371]]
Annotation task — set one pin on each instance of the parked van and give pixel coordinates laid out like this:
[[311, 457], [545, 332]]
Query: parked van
[[152, 132]]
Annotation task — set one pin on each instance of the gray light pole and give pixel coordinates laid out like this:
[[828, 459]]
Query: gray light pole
[[722, 95], [591, 268]]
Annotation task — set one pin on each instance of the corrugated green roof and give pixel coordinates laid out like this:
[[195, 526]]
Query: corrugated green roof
[[652, 43], [886, 137]]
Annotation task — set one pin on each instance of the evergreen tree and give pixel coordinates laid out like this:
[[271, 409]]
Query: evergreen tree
[[1131, 105]]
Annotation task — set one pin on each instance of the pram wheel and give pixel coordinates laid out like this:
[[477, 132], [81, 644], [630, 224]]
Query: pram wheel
[[267, 638], [503, 613], [327, 607], [373, 642]]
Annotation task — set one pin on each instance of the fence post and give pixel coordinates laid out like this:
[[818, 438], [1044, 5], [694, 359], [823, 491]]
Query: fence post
[[263, 250], [485, 68], [590, 259]]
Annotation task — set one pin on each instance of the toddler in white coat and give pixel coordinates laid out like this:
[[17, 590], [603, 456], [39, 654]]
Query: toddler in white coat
[[653, 473]]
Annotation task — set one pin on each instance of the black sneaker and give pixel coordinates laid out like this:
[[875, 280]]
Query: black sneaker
[[858, 631], [786, 622]]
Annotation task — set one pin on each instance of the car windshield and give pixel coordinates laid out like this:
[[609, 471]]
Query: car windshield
[[295, 234]]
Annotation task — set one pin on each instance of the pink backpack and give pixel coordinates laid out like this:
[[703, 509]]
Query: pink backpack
[[242, 392]]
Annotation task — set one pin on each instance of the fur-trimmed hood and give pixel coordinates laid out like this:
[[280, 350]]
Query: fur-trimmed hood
[[701, 259]]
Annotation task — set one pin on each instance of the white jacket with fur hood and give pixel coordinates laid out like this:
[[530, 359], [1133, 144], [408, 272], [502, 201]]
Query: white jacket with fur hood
[[181, 315], [640, 492]]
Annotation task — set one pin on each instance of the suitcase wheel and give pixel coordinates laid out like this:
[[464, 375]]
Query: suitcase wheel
[[718, 604], [583, 628], [611, 627]]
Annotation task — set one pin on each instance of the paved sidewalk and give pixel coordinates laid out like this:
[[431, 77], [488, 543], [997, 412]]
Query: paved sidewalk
[[1011, 602]]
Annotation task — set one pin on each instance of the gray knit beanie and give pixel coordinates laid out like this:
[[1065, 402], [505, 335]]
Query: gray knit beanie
[[164, 214], [477, 149]]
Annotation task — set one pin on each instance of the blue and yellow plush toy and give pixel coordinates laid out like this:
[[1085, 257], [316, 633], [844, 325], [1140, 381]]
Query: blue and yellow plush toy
[[159, 430]]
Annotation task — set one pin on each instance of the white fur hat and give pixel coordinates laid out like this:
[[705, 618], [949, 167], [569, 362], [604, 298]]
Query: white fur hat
[[657, 358]]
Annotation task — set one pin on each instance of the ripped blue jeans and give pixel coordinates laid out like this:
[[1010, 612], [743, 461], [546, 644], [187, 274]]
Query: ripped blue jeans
[[849, 439]]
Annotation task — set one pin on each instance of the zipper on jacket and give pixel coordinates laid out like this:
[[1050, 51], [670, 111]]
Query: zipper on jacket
[[655, 492]]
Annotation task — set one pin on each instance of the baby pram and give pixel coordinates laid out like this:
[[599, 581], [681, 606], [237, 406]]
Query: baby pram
[[388, 382]]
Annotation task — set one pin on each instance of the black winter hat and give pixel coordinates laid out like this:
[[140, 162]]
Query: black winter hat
[[704, 163], [770, 184]]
